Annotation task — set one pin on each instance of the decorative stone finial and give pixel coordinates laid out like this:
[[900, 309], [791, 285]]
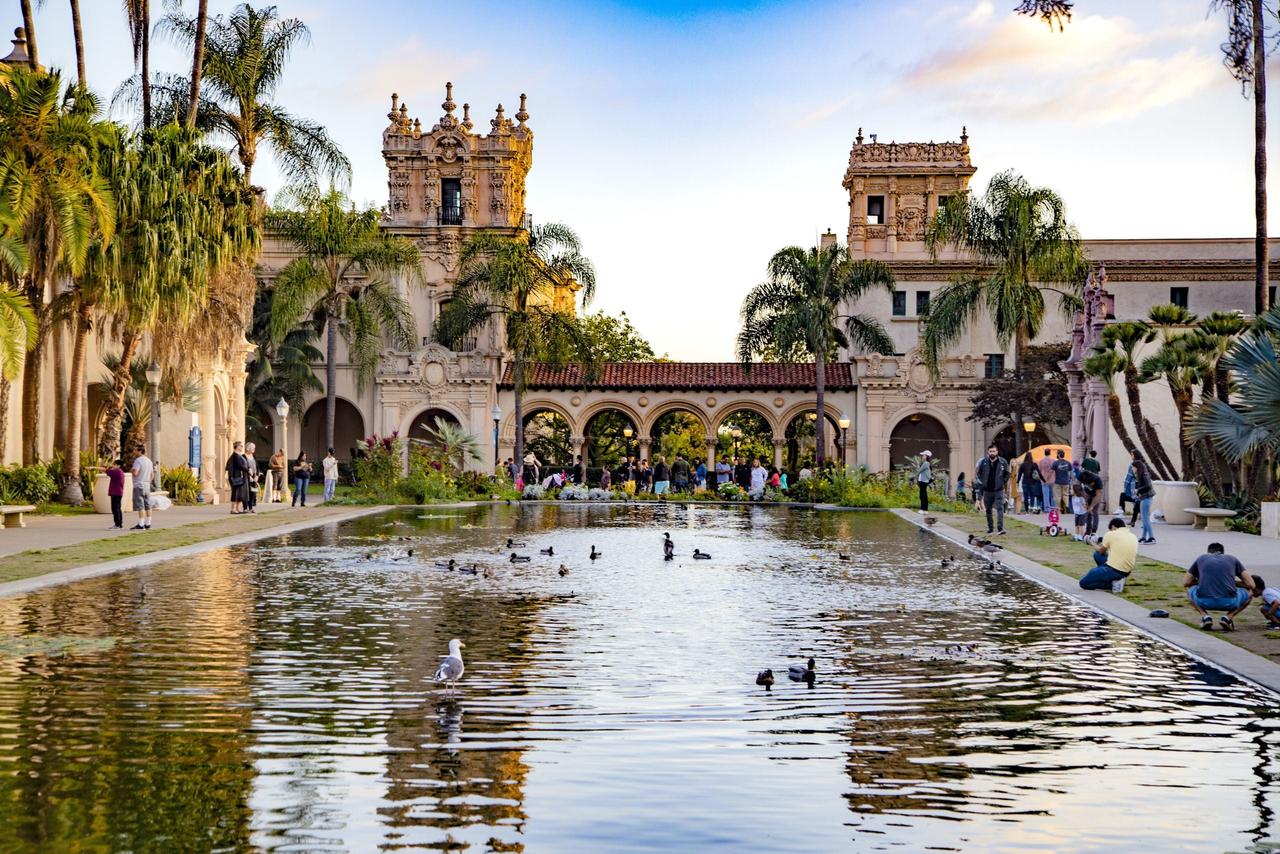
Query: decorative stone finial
[[858, 138], [417, 128], [466, 117], [449, 106], [19, 55], [523, 115], [964, 134]]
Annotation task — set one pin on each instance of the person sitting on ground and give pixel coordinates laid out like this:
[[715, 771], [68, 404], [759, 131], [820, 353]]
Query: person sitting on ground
[[1270, 601], [1217, 581], [1115, 559]]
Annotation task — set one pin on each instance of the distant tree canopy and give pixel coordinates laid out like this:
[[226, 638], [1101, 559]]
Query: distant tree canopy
[[614, 339], [1035, 388]]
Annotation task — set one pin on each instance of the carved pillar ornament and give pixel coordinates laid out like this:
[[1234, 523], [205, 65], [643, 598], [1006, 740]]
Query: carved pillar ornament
[[779, 443], [644, 442]]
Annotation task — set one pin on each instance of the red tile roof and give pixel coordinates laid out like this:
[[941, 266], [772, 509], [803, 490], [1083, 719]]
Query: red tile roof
[[684, 375]]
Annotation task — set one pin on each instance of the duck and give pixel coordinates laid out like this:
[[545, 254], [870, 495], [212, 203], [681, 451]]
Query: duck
[[802, 672], [515, 558], [450, 565], [984, 544], [931, 520], [700, 555], [668, 548], [765, 678], [549, 550], [512, 544], [843, 556], [471, 570], [408, 553], [451, 667], [594, 554], [563, 570]]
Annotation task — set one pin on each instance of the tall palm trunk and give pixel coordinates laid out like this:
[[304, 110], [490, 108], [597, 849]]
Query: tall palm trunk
[[1262, 273], [1183, 400], [5, 386], [29, 24], [59, 344], [197, 62], [819, 426], [1151, 443], [330, 379], [71, 491], [78, 35], [146, 70], [113, 408], [31, 403], [1117, 422], [518, 376]]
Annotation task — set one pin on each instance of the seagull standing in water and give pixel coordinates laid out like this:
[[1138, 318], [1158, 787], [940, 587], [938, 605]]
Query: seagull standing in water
[[451, 667]]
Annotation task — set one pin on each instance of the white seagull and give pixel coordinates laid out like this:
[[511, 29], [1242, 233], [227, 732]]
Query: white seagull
[[451, 667]]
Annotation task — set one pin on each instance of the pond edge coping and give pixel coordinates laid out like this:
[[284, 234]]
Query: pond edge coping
[[1198, 644], [93, 570]]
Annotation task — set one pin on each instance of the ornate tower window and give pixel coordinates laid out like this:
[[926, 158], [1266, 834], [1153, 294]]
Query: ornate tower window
[[451, 201], [875, 210]]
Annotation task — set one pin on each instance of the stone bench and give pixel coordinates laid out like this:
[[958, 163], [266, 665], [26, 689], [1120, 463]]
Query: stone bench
[[1210, 518], [11, 515]]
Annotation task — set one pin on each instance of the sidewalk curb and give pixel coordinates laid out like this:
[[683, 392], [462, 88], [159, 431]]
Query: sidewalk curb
[[80, 573], [1200, 645]]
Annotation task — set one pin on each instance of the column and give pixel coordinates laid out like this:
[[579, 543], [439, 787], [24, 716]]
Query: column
[[208, 438], [891, 216], [1075, 394], [645, 442], [578, 444], [779, 442], [858, 217], [930, 200], [710, 441]]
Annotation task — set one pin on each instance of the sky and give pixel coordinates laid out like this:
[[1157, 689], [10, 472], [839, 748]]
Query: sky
[[686, 142]]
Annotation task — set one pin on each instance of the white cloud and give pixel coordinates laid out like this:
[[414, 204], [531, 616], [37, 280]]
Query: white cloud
[[980, 14]]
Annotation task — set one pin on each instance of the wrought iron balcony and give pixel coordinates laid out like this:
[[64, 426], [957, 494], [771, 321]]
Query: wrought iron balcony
[[449, 215], [464, 345]]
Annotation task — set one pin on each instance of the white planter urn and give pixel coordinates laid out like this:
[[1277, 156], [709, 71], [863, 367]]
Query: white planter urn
[[1173, 497], [1271, 519], [102, 501]]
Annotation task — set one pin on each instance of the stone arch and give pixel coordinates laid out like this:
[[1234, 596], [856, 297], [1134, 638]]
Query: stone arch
[[348, 428], [553, 446], [415, 429], [832, 415], [934, 433], [598, 452], [724, 410], [679, 405], [594, 409], [530, 407]]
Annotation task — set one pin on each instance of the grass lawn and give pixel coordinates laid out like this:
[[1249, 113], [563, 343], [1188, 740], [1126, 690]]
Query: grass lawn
[[53, 508], [133, 543], [1153, 584]]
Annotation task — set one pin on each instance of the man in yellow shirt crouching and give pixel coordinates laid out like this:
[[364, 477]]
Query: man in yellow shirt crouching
[[1115, 558]]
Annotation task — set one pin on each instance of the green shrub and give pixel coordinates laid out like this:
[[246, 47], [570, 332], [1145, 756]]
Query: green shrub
[[27, 484], [181, 483]]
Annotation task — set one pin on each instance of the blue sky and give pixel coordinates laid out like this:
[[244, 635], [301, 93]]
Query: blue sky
[[688, 141]]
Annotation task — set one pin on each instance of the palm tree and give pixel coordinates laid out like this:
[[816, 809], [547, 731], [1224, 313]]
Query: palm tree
[[77, 33], [343, 281], [17, 320], [29, 25], [1127, 338], [1020, 236], [449, 442], [244, 57], [197, 61], [1246, 430], [48, 179], [284, 369], [1104, 365], [795, 312], [516, 281], [138, 14], [187, 220], [1245, 55]]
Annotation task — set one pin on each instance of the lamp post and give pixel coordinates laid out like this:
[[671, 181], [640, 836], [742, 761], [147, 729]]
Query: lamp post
[[282, 409], [496, 414], [153, 382], [737, 434], [844, 440], [627, 433], [1028, 427]]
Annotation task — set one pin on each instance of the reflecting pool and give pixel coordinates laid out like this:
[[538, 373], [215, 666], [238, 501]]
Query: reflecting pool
[[277, 696]]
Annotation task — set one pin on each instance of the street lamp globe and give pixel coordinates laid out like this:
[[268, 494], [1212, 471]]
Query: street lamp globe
[[153, 374], [496, 412], [628, 432], [737, 434], [844, 422], [282, 408], [1029, 426]]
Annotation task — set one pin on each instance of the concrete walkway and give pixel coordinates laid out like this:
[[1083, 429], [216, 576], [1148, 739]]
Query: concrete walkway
[[1201, 645], [1181, 544], [49, 532]]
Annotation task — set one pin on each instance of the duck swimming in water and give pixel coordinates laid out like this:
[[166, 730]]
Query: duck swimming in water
[[700, 555], [515, 558], [765, 678], [512, 544], [443, 565], [594, 554], [802, 673], [549, 550], [563, 570]]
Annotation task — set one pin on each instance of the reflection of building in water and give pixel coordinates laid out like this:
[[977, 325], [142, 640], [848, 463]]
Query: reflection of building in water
[[146, 740]]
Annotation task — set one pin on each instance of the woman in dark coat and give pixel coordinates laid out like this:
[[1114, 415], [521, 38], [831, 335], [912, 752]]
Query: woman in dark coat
[[238, 478], [1029, 484]]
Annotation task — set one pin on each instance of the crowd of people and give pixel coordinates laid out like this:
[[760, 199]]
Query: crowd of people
[[637, 475], [249, 483]]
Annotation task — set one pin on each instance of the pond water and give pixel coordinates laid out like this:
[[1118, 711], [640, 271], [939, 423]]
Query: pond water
[[278, 697]]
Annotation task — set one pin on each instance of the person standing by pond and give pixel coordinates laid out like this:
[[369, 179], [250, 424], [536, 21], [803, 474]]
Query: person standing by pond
[[330, 466], [237, 469], [723, 471], [1143, 490], [661, 475], [115, 491], [251, 497], [644, 477], [1090, 483], [1045, 464], [1114, 560], [924, 477], [1062, 471], [275, 486], [991, 477], [1029, 484], [580, 472], [758, 476], [301, 478], [143, 470], [1217, 581], [680, 474]]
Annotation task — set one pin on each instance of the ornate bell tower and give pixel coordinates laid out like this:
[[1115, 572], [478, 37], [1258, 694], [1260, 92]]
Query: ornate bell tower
[[895, 188]]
